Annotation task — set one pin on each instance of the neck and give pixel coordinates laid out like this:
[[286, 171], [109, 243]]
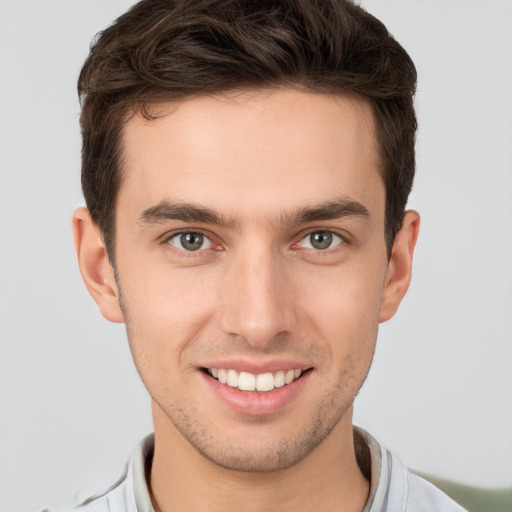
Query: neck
[[328, 478]]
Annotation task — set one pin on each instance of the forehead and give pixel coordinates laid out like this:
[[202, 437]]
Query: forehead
[[253, 152]]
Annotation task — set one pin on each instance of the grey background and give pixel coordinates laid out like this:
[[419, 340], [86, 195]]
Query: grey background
[[440, 392]]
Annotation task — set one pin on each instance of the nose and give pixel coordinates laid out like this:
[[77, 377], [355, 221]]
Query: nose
[[256, 299]]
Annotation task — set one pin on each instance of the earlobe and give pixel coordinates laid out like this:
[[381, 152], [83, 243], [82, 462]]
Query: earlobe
[[399, 272], [96, 270]]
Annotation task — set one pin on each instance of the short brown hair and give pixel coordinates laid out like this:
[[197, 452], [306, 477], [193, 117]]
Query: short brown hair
[[165, 50]]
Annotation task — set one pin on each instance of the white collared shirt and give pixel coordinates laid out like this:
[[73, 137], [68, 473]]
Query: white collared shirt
[[393, 488]]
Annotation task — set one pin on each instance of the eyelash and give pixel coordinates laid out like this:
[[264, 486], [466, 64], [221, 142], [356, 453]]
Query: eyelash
[[341, 242], [336, 239], [183, 252]]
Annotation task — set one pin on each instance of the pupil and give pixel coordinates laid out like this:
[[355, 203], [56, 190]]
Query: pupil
[[321, 240], [192, 241]]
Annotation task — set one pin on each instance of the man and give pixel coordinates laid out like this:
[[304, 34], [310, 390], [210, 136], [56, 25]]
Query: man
[[246, 167]]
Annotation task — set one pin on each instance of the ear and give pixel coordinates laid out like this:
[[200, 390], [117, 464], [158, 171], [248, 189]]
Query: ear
[[399, 272], [96, 270]]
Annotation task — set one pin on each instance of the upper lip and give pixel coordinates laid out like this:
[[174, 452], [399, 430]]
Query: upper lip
[[257, 367]]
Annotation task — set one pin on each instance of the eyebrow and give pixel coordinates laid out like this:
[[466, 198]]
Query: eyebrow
[[331, 210], [188, 212], [185, 212]]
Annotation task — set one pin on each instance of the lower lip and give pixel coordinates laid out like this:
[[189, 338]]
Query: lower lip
[[254, 403]]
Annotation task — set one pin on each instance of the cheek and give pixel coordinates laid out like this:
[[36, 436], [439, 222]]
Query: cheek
[[344, 306], [167, 297], [165, 311]]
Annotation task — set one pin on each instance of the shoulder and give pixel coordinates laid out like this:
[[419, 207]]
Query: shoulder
[[116, 498], [423, 496], [394, 488], [128, 494], [413, 493]]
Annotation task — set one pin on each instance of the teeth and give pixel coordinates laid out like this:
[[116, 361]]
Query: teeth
[[223, 377], [246, 381], [265, 382], [279, 379]]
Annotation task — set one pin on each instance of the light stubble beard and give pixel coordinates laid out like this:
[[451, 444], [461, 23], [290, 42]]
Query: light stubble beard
[[278, 454], [281, 452]]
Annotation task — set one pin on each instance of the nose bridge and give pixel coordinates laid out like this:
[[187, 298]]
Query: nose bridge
[[256, 304]]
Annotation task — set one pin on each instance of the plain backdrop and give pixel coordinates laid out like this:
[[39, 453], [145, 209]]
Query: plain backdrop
[[440, 391]]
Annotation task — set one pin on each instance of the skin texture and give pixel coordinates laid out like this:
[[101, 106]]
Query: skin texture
[[256, 292]]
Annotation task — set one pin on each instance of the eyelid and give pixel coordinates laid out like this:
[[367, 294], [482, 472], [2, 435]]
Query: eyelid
[[213, 244], [177, 236], [343, 239]]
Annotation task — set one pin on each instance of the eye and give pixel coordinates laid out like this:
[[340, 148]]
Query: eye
[[190, 241], [321, 240]]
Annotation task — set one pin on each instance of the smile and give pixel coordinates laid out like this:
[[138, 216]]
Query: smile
[[246, 381]]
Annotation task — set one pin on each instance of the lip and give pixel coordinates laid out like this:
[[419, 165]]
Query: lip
[[257, 367], [253, 403]]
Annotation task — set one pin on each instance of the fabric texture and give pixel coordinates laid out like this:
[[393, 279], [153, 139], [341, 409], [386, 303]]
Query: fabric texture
[[393, 488]]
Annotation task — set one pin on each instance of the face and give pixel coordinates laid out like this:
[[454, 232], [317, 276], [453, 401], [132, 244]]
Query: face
[[252, 269]]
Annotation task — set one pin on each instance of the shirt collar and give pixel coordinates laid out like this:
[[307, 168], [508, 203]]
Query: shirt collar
[[142, 459], [366, 447]]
